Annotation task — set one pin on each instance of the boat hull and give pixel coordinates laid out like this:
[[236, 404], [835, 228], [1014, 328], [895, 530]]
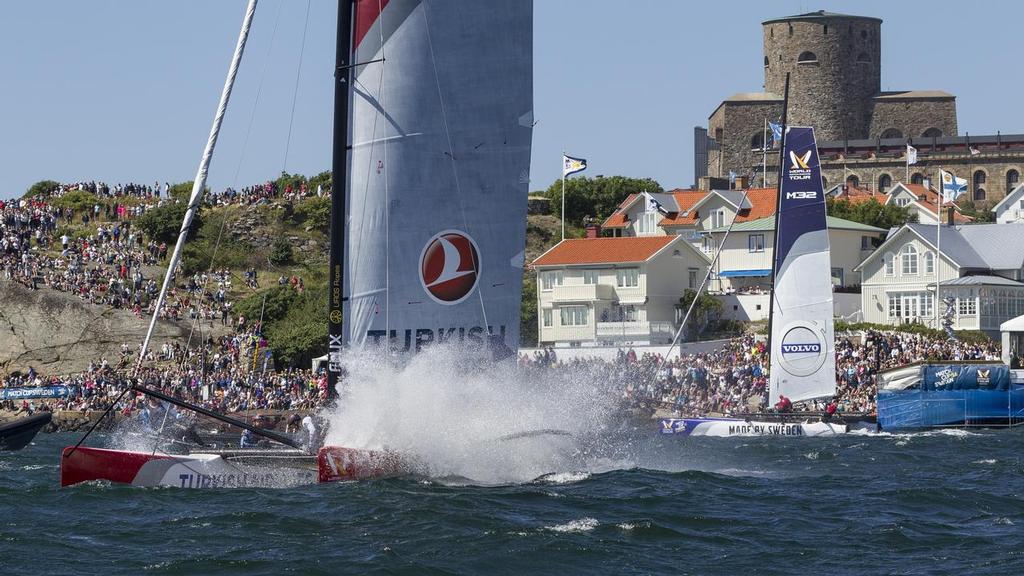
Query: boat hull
[[17, 434], [180, 471], [337, 463], [725, 427]]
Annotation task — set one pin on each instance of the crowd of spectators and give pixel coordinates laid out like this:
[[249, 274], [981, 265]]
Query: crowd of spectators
[[734, 379]]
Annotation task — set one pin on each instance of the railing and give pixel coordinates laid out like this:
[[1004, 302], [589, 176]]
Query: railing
[[634, 330], [582, 293]]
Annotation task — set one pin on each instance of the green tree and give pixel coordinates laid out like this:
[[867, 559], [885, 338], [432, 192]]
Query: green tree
[[43, 187], [315, 213], [706, 314], [285, 180], [281, 252], [870, 212], [528, 312], [322, 179], [163, 223], [979, 213], [597, 197], [78, 200], [182, 191]]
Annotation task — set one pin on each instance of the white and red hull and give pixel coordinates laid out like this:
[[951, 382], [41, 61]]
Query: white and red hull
[[337, 463], [180, 471]]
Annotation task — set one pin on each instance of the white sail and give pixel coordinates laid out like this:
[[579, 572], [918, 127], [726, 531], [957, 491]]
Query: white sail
[[441, 107], [803, 360]]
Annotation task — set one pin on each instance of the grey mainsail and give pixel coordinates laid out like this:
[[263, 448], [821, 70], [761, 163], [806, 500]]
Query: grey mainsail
[[442, 99]]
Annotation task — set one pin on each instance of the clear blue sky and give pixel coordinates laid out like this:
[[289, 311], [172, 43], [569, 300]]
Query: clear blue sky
[[125, 91]]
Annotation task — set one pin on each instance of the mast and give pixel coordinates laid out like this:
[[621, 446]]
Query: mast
[[339, 178], [200, 180], [778, 209]]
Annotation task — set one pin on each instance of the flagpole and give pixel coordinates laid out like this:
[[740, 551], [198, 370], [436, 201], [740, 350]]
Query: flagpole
[[764, 155], [938, 244], [906, 153], [563, 194]]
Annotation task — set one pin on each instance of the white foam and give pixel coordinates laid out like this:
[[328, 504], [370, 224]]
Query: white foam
[[581, 525], [451, 414], [985, 461], [564, 477]]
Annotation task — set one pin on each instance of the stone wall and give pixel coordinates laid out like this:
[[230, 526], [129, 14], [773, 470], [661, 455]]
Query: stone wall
[[737, 123], [869, 171], [913, 116], [834, 91]]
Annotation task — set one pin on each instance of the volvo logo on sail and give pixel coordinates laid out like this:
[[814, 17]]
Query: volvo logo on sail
[[450, 267], [802, 348]]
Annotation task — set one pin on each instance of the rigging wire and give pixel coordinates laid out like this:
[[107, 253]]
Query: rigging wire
[[295, 92]]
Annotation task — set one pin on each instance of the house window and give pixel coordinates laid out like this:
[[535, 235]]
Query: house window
[[548, 317], [707, 244], [853, 180], [717, 219], [902, 201], [691, 278], [590, 276], [895, 305], [647, 223], [929, 263], [966, 305], [550, 279], [917, 178], [627, 313], [979, 194], [755, 243], [1012, 178], [890, 264], [627, 277], [574, 315], [908, 260], [979, 184], [865, 242], [884, 183], [837, 276], [927, 300]]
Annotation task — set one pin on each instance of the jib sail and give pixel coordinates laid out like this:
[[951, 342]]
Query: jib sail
[[802, 338]]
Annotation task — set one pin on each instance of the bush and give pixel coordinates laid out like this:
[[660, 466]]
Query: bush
[[78, 201], [43, 187], [163, 223], [281, 252], [969, 336], [528, 335], [314, 213]]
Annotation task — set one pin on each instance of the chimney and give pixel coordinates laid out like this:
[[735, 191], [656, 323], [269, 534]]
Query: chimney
[[741, 182], [949, 217], [593, 230]]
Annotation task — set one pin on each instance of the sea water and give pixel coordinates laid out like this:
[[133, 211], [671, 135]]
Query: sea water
[[615, 496]]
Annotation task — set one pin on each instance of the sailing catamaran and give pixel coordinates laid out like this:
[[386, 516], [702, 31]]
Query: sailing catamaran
[[427, 235], [801, 334]]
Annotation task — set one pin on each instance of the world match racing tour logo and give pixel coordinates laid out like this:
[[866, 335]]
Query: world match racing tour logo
[[449, 272], [800, 172]]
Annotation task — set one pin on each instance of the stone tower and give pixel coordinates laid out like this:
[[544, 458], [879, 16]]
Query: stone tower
[[834, 62]]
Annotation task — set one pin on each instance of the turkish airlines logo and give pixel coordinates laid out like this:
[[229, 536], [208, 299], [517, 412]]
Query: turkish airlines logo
[[450, 267], [800, 162]]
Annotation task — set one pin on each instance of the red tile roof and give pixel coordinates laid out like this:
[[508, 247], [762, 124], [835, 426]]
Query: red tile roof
[[604, 250], [855, 195], [931, 199], [618, 218], [685, 199], [762, 201]]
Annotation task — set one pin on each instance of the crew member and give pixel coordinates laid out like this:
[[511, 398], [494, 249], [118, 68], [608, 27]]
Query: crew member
[[784, 404], [830, 410]]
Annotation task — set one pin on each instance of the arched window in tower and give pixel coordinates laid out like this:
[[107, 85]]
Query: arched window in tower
[[1012, 179], [979, 184], [765, 61], [863, 58], [891, 133], [757, 141], [884, 183], [853, 180], [807, 58], [790, 29], [932, 133], [825, 30], [917, 178]]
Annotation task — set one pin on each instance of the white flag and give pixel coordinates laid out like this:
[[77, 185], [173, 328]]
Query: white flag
[[911, 155]]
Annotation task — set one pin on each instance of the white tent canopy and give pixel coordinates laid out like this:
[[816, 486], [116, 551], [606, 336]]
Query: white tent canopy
[[1012, 338]]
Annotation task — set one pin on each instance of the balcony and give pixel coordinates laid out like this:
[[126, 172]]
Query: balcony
[[650, 331], [582, 293]]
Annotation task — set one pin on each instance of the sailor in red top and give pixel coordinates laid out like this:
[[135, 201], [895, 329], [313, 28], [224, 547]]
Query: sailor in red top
[[784, 404], [830, 410]]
